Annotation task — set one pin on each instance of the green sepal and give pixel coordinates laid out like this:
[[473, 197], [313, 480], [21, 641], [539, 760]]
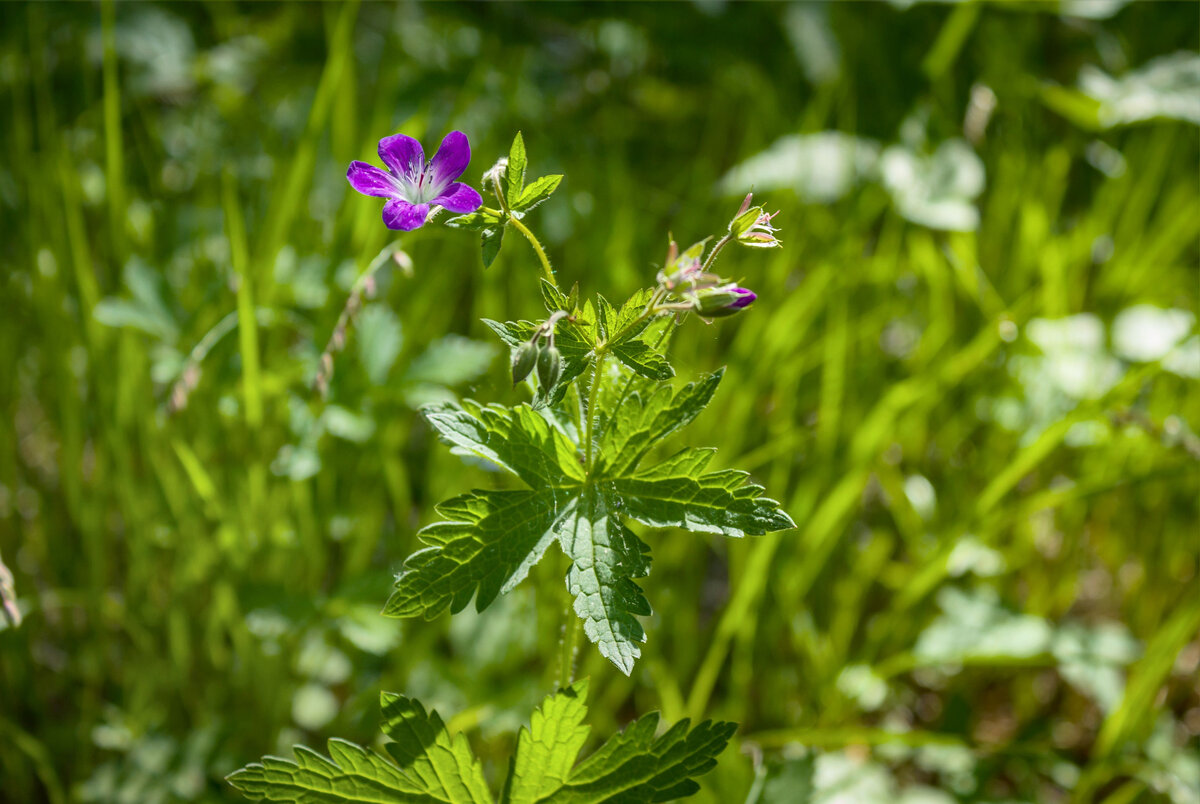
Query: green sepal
[[742, 223]]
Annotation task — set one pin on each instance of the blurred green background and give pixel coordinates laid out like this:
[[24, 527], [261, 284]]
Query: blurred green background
[[970, 376]]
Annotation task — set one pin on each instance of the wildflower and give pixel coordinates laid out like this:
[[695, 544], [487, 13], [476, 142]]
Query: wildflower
[[413, 185], [723, 300], [751, 226]]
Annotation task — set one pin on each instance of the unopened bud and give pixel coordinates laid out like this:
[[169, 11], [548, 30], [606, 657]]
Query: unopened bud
[[523, 361], [494, 174], [549, 367], [722, 301]]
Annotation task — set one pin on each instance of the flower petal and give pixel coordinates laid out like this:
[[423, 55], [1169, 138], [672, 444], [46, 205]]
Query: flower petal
[[403, 156], [450, 160], [370, 180], [460, 198], [399, 214]]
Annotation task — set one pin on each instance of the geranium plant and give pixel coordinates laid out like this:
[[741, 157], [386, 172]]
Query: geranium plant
[[601, 399]]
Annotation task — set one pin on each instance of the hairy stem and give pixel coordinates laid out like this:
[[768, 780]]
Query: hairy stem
[[504, 213], [712, 255], [570, 643], [537, 247], [590, 413], [652, 307]]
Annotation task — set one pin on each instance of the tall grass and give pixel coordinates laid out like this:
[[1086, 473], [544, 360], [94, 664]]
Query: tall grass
[[201, 581]]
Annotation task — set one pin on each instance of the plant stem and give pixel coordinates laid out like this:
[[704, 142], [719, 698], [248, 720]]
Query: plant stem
[[537, 247], [651, 308], [712, 255], [590, 413], [506, 214], [566, 669]]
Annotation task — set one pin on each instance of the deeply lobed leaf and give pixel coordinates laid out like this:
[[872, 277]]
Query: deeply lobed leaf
[[605, 557], [637, 421], [424, 749], [486, 545], [548, 748], [516, 439], [636, 766], [489, 540], [678, 493], [431, 767]]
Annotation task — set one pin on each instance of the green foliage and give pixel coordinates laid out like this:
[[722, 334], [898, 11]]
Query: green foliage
[[489, 540], [538, 191], [1006, 412], [515, 200], [491, 241], [514, 172], [430, 766]]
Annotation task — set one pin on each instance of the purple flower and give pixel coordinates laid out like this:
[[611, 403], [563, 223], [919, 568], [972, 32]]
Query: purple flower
[[742, 298], [722, 301], [413, 185]]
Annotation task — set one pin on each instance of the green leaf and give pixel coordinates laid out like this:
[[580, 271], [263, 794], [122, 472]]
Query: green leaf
[[451, 360], [624, 326], [548, 748], [516, 439], [431, 767], [424, 750], [514, 173], [636, 766], [490, 539], [555, 299], [379, 341], [351, 775], [146, 311], [605, 556], [486, 545], [644, 418], [537, 192], [676, 494], [643, 360], [474, 221], [490, 242]]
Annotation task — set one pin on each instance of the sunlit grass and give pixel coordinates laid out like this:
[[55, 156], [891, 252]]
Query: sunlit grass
[[201, 582]]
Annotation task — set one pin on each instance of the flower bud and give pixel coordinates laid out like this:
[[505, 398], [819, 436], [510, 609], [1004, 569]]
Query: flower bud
[[523, 361], [549, 368], [488, 183], [722, 301]]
